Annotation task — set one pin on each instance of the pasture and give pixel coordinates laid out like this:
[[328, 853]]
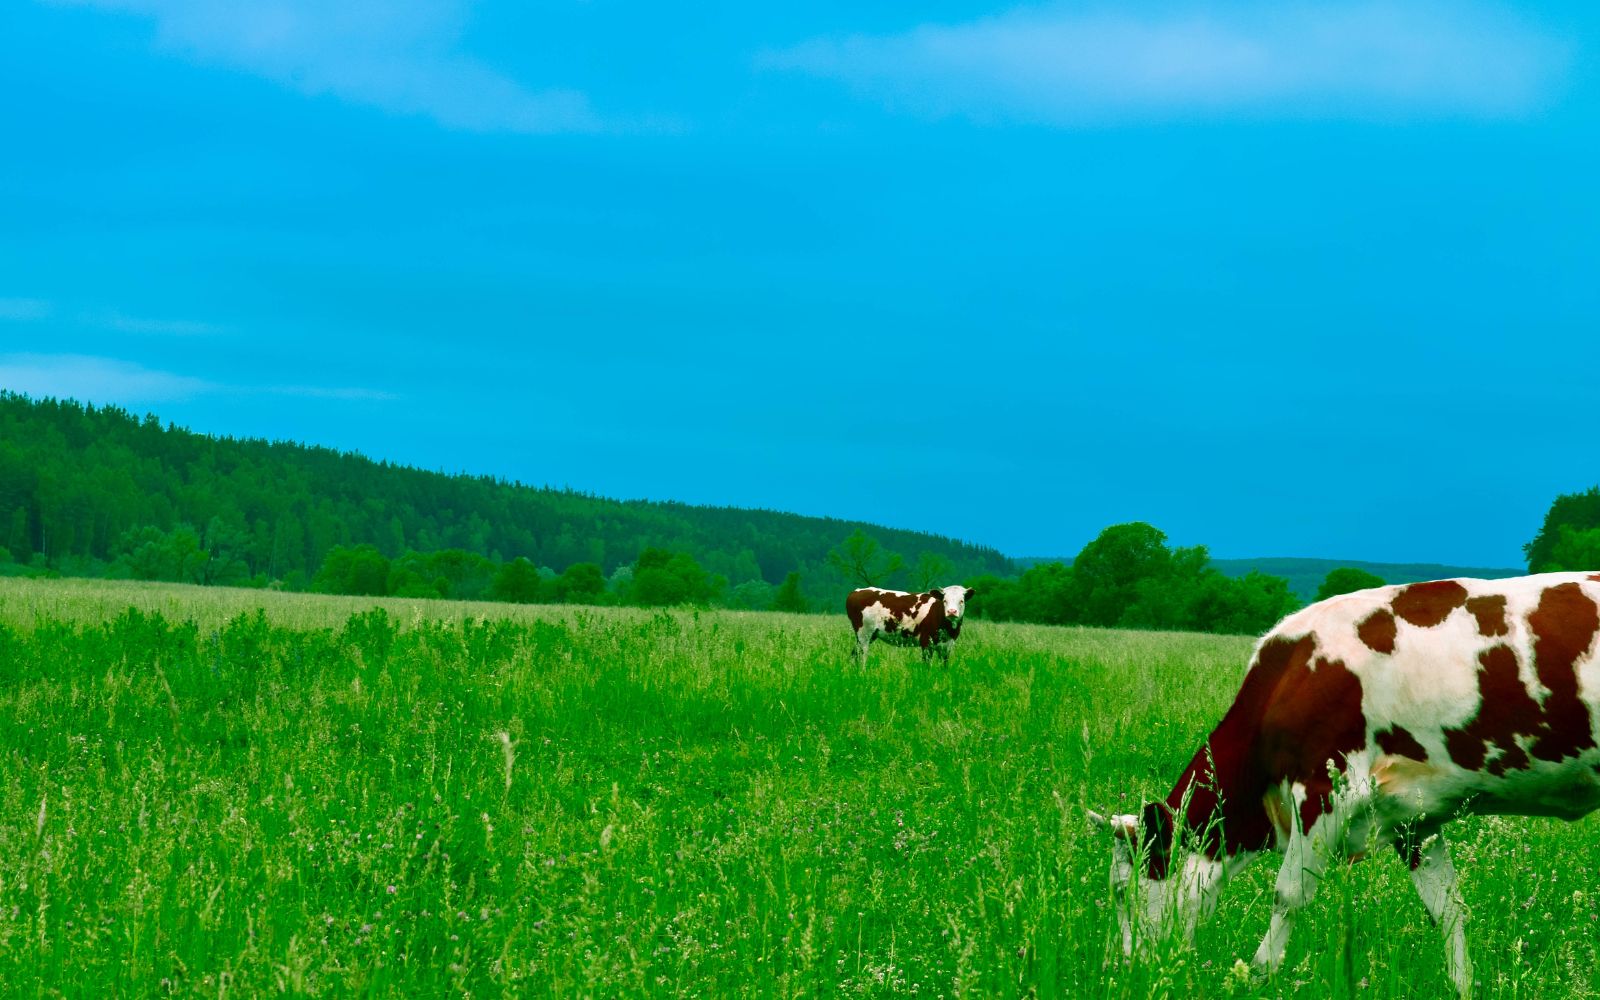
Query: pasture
[[214, 792]]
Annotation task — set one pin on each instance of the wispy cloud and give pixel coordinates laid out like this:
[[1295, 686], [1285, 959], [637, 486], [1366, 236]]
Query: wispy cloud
[[1322, 60], [28, 310], [162, 327], [89, 378], [399, 57], [24, 310], [326, 392], [98, 380]]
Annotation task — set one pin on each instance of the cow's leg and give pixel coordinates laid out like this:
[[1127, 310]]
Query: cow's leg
[[863, 640], [1303, 863], [1435, 879]]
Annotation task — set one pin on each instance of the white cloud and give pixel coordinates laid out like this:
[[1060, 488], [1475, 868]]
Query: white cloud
[[91, 379], [399, 57], [23, 310], [97, 380], [1321, 60]]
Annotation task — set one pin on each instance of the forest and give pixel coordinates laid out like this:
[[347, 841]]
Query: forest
[[99, 492]]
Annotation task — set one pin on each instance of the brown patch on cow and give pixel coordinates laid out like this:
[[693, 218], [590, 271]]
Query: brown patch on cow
[[1314, 723], [1563, 627], [1291, 720], [1491, 614], [1427, 604], [1156, 833], [1377, 631], [1506, 711], [1397, 740], [1593, 578]]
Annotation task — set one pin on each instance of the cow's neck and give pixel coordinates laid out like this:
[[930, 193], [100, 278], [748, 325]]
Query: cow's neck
[[1223, 788], [1219, 796]]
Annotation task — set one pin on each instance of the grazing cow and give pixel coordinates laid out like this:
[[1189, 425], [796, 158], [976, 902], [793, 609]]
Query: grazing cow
[[1383, 713], [931, 620]]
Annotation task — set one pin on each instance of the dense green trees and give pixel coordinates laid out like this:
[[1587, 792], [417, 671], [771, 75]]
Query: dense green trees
[[1566, 540], [1347, 580], [862, 561], [357, 569], [661, 577], [789, 597], [149, 553], [517, 581], [1128, 577], [79, 485]]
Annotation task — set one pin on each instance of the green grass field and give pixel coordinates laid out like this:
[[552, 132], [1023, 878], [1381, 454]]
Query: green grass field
[[235, 793]]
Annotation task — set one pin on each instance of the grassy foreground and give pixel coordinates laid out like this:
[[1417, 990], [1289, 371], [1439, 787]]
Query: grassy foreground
[[238, 793]]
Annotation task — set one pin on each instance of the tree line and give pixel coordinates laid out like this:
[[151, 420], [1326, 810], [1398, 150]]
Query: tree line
[[89, 491]]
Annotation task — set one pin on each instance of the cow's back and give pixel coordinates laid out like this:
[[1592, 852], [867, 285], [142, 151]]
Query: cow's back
[[858, 601], [1483, 682]]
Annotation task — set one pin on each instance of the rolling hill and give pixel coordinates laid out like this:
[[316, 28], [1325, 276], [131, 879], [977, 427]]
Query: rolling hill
[[1305, 575]]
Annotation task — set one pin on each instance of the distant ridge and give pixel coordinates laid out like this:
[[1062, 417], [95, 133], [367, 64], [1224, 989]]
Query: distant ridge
[[1306, 575]]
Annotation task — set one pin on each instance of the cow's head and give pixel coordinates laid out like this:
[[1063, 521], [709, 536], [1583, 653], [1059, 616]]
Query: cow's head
[[1156, 898], [954, 600]]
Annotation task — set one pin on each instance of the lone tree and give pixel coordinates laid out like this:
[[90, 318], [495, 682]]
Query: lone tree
[[929, 571], [788, 597], [861, 560], [1569, 513], [1346, 580]]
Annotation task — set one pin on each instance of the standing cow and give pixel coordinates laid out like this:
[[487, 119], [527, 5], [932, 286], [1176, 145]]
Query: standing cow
[[1384, 713], [931, 620]]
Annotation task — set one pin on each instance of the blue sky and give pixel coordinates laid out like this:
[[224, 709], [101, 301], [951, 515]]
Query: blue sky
[[1280, 278]]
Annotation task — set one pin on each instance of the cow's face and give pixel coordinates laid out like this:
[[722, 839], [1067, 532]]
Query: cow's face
[[954, 600], [1155, 902]]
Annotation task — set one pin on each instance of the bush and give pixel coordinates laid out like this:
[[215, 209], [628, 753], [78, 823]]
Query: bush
[[1347, 580], [357, 569]]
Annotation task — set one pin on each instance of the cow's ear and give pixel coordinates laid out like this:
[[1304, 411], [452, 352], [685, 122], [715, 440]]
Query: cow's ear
[[971, 591], [938, 593]]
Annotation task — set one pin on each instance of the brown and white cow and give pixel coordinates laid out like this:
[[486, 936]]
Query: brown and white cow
[[1384, 713], [931, 620]]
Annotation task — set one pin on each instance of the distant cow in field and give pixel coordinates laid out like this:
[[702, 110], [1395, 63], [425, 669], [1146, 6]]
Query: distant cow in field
[[931, 620], [1384, 713]]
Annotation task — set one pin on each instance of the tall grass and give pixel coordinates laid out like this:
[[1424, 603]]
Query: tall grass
[[219, 793]]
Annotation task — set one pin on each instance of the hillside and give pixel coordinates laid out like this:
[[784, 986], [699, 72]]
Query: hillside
[[82, 485], [1306, 575]]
